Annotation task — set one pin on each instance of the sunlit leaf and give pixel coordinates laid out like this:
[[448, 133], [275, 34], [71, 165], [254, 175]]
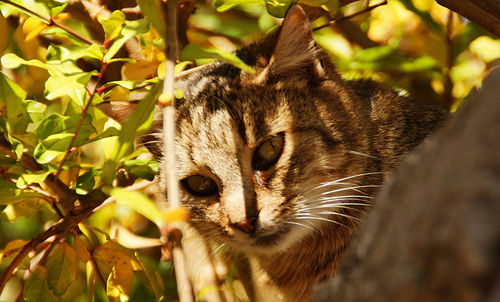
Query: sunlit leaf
[[12, 104], [151, 10], [9, 193], [11, 247], [139, 203], [278, 8], [192, 51], [112, 25], [82, 250], [120, 282], [61, 266], [36, 289], [29, 178], [131, 29]]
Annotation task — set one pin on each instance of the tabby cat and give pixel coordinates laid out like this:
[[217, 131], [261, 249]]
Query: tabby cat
[[282, 164]]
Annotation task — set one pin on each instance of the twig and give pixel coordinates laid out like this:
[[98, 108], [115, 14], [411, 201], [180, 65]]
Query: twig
[[367, 9], [65, 195], [183, 284], [80, 122], [51, 22], [49, 198]]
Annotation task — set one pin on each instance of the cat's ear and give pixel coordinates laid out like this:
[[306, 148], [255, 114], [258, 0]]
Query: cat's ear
[[295, 48], [118, 110]]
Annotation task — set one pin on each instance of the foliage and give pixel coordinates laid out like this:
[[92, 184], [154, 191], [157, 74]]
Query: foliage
[[58, 65]]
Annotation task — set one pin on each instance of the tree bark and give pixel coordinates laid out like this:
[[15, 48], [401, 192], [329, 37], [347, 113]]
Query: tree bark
[[434, 234], [485, 13]]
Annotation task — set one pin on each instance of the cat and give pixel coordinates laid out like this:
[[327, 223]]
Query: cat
[[281, 165]]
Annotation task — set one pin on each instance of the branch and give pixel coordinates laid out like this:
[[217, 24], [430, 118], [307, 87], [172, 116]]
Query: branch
[[168, 100], [65, 196], [80, 122], [486, 13], [51, 22]]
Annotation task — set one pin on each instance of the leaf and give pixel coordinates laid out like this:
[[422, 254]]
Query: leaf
[[131, 29], [140, 203], [224, 5], [143, 168], [120, 282], [27, 179], [151, 10], [12, 104], [36, 289], [73, 52], [137, 123], [12, 247], [58, 85], [9, 193], [113, 25], [154, 279], [112, 253], [278, 8], [86, 182], [32, 28], [61, 266], [192, 51], [82, 250]]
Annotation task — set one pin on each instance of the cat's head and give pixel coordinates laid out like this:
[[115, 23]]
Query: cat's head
[[266, 159], [257, 152]]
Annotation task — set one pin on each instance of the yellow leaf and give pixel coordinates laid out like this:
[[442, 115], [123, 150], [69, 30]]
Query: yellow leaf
[[32, 28], [3, 33], [112, 253], [119, 93], [174, 215], [11, 247], [81, 249], [120, 282], [486, 48]]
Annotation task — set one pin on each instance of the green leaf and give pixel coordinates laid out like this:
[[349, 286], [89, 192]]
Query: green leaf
[[12, 104], [143, 168], [278, 8], [425, 16], [224, 5], [137, 123], [73, 52], [61, 266], [36, 289], [58, 85], [131, 29], [27, 179], [113, 25], [151, 10], [9, 193], [140, 203], [153, 278], [36, 110], [192, 51], [86, 182]]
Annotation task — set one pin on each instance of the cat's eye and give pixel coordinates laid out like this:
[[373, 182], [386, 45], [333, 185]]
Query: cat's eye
[[268, 153], [200, 185]]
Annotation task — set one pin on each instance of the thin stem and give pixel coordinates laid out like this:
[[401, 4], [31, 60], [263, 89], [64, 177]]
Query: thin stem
[[367, 9], [51, 22], [80, 122], [184, 287]]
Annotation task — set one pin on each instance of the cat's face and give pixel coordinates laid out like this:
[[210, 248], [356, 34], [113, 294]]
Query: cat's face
[[265, 159]]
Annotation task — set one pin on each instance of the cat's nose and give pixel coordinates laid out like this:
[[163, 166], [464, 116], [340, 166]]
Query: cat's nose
[[247, 225]]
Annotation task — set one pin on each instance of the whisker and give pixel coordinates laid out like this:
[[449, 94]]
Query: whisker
[[311, 217], [363, 154]]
